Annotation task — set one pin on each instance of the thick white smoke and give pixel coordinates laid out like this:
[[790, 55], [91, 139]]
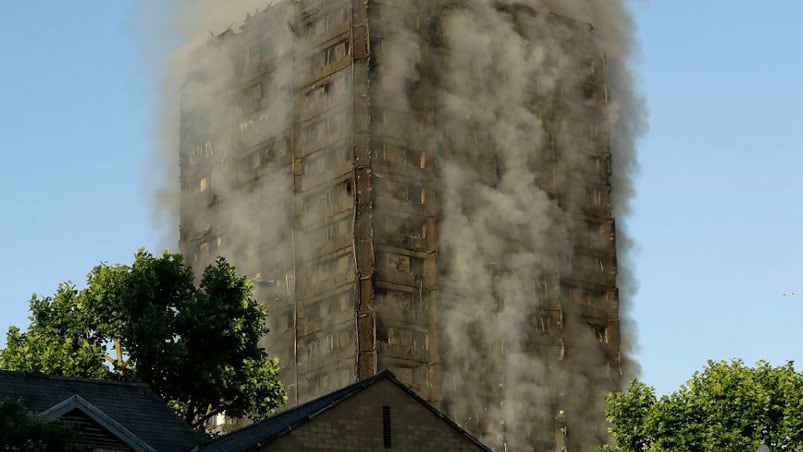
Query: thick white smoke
[[512, 140], [174, 34], [231, 119], [511, 144]]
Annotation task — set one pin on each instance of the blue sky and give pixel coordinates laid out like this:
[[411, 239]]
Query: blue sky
[[717, 220]]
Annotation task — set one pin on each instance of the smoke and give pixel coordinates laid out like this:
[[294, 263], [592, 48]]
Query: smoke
[[519, 79], [524, 118], [235, 196], [517, 108], [173, 33]]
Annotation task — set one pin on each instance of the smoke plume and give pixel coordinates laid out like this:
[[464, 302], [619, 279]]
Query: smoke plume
[[174, 34], [516, 136], [514, 101]]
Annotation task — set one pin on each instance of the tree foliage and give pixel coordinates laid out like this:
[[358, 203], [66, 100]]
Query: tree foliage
[[22, 430], [196, 346], [726, 407]]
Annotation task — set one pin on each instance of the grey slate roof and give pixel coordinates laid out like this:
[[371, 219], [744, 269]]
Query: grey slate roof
[[133, 406], [261, 433]]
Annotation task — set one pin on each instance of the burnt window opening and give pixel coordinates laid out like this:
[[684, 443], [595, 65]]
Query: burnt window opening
[[256, 92], [326, 23], [386, 428], [312, 349], [542, 324], [398, 262], [401, 191], [328, 197], [327, 159], [332, 125], [336, 52], [600, 333], [311, 134], [331, 232], [540, 289], [377, 12], [597, 197], [344, 339], [318, 93], [406, 228], [267, 154], [400, 156]]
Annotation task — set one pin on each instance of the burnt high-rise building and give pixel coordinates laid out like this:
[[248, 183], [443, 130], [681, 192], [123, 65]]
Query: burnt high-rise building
[[421, 186]]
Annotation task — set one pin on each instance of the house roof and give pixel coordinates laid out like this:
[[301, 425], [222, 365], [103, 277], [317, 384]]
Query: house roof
[[264, 432], [131, 411]]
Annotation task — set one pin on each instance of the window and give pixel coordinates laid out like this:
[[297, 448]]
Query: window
[[312, 349], [331, 232], [541, 289], [344, 302], [597, 197], [267, 154], [417, 230], [311, 166], [336, 52], [421, 341], [392, 155], [418, 194], [332, 125], [341, 83], [386, 433], [246, 127], [255, 92], [331, 157], [398, 262], [344, 339], [600, 333], [542, 324], [318, 93], [600, 263], [378, 12], [311, 134], [379, 46]]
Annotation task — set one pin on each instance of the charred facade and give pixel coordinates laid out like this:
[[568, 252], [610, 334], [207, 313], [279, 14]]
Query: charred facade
[[330, 150]]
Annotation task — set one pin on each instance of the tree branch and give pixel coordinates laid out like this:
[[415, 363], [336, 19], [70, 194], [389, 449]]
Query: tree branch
[[208, 415], [118, 347], [190, 414]]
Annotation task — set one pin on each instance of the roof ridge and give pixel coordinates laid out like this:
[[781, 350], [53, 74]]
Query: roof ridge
[[337, 396], [42, 376]]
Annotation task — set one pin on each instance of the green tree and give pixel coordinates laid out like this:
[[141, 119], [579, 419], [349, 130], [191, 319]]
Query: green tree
[[22, 430], [726, 407], [195, 346]]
